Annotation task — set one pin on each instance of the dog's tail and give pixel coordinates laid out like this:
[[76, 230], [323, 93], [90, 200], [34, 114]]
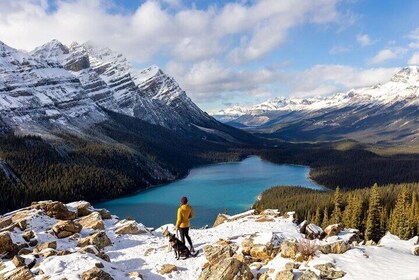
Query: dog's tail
[[194, 254]]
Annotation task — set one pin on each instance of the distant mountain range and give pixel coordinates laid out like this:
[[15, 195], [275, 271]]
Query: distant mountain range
[[387, 113]]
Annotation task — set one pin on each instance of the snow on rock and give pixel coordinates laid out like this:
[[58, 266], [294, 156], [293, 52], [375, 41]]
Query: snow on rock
[[250, 241]]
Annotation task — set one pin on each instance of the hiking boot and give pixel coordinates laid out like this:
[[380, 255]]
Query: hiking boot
[[192, 249]]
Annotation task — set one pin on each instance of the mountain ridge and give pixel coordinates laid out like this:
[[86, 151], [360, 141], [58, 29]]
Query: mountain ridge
[[386, 113]]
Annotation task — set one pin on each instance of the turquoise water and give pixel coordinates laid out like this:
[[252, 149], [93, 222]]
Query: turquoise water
[[210, 189]]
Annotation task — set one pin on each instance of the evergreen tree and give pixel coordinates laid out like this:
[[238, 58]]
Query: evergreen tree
[[400, 222], [372, 226], [356, 219], [347, 213], [317, 218], [383, 221], [325, 222], [337, 212]]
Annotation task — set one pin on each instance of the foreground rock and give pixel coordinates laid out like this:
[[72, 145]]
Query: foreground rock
[[92, 221], [20, 273], [227, 269], [99, 239], [64, 229], [6, 244], [338, 247], [96, 274], [54, 209], [167, 268], [129, 227]]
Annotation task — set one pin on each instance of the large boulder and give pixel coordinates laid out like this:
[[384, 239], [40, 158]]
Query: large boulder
[[105, 214], [333, 230], [54, 209], [263, 252], [6, 244], [285, 275], [99, 239], [328, 271], [46, 245], [20, 273], [288, 249], [313, 231], [247, 245], [221, 218], [83, 208], [96, 274], [214, 254], [130, 227], [64, 229], [92, 221], [338, 247], [308, 275], [5, 222], [227, 269]]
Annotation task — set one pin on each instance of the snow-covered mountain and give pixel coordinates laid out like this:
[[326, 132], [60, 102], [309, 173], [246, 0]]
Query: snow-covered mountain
[[56, 87], [51, 240], [390, 109]]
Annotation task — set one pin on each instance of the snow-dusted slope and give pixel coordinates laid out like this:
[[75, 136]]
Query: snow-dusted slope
[[55, 88], [387, 112], [110, 80], [132, 249]]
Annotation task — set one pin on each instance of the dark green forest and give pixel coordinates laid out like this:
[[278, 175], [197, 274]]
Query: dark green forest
[[373, 211], [347, 164]]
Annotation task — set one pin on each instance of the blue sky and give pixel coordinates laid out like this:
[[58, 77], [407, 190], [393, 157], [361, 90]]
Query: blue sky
[[226, 53]]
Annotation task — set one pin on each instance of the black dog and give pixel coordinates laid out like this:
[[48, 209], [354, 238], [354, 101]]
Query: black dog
[[180, 248]]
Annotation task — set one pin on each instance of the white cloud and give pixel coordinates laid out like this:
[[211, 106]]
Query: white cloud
[[387, 54], [209, 80], [414, 60], [364, 40], [187, 34], [338, 50], [414, 36], [327, 79]]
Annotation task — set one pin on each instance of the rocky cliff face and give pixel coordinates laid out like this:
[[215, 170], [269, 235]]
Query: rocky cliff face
[[110, 81]]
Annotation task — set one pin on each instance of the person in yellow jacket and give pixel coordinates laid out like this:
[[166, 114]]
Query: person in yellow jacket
[[184, 214]]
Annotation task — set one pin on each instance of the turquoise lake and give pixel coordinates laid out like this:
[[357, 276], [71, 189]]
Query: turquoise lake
[[210, 189]]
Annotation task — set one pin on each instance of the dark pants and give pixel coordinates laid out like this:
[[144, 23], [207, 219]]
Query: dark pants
[[184, 232]]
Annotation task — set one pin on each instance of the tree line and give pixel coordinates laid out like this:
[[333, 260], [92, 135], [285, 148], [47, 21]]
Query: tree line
[[373, 211]]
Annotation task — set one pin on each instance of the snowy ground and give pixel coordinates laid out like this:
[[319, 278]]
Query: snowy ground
[[146, 253]]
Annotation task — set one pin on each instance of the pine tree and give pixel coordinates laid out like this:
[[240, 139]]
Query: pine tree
[[325, 222], [400, 216], [383, 221], [309, 217], [317, 218], [356, 218], [337, 212], [347, 213], [372, 227], [414, 216]]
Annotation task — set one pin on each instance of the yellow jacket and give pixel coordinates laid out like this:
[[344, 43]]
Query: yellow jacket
[[184, 213]]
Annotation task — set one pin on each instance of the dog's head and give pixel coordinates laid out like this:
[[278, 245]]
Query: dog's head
[[172, 239], [166, 233]]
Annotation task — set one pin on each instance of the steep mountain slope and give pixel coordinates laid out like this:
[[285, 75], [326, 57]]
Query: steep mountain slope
[[109, 79], [382, 113], [79, 122]]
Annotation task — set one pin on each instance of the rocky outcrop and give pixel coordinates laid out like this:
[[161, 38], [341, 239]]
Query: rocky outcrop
[[214, 254], [227, 269], [333, 230], [338, 247], [6, 244], [308, 275], [129, 227], [288, 249], [99, 239], [284, 275], [64, 229], [20, 273], [329, 271], [415, 250], [92, 221], [96, 274], [54, 209], [313, 231]]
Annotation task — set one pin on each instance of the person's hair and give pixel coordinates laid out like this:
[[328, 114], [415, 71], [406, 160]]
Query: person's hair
[[184, 200]]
